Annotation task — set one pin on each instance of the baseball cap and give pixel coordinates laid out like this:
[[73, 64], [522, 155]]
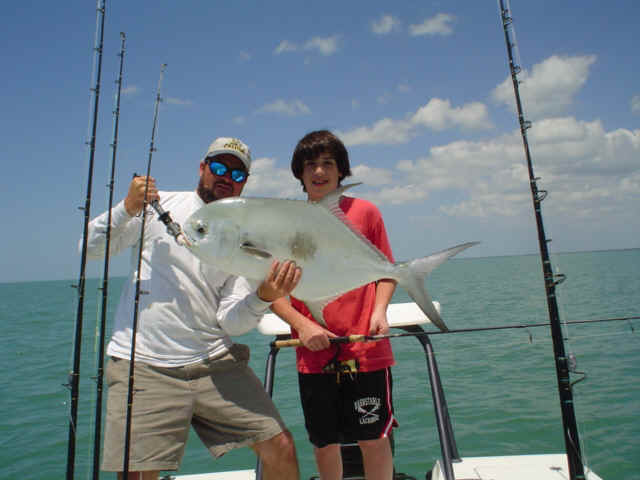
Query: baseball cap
[[232, 146]]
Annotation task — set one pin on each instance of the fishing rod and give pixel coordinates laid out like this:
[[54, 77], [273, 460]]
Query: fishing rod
[[296, 342], [571, 437], [105, 275], [134, 327], [74, 375]]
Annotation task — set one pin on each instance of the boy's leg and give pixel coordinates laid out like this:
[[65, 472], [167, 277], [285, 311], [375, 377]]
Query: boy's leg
[[377, 459], [329, 461]]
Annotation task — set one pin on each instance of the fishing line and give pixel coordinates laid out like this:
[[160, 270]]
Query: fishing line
[[134, 328], [296, 342], [74, 375]]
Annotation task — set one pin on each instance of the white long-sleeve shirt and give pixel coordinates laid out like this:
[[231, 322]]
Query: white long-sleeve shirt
[[189, 309]]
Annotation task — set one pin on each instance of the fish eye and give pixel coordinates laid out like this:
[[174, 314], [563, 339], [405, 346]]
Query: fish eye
[[200, 227]]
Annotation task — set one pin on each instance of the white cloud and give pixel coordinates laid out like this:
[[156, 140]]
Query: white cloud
[[267, 180], [292, 108], [437, 25], [285, 46], [635, 104], [385, 24], [436, 115], [397, 194], [549, 88], [177, 101], [370, 175], [130, 90], [439, 115], [325, 45], [385, 131], [590, 173]]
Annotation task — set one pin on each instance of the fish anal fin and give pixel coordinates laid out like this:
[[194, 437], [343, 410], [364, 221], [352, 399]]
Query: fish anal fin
[[316, 308]]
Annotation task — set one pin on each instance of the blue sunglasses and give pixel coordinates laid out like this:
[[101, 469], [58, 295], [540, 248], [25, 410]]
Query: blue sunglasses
[[220, 169]]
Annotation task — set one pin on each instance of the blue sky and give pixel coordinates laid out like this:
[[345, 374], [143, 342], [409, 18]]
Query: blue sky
[[419, 91]]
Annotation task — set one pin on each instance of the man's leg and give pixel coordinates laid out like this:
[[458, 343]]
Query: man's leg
[[140, 475], [377, 459], [278, 456], [160, 420]]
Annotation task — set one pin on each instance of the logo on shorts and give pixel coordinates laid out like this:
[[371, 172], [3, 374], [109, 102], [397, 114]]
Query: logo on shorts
[[367, 408]]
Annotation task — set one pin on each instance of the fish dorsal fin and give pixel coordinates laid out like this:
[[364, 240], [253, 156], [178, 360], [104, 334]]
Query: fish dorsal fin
[[332, 200], [332, 203]]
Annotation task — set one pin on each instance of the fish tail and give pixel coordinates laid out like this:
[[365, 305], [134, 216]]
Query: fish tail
[[411, 276]]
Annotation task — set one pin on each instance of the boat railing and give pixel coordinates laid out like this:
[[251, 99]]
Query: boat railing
[[403, 316]]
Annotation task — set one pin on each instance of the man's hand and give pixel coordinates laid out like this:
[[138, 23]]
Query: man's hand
[[280, 281], [134, 200]]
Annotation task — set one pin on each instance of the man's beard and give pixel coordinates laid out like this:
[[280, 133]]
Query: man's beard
[[205, 194]]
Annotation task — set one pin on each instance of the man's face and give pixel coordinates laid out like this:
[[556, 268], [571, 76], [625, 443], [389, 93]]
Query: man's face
[[215, 187], [320, 176]]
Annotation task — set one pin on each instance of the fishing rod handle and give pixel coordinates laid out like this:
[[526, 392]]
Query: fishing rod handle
[[296, 342]]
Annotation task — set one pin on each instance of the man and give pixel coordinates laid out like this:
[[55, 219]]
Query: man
[[345, 390], [187, 369]]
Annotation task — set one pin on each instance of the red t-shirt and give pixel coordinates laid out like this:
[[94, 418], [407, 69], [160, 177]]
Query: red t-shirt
[[350, 313]]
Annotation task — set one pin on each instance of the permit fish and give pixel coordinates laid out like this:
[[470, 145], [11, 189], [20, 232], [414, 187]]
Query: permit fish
[[243, 235]]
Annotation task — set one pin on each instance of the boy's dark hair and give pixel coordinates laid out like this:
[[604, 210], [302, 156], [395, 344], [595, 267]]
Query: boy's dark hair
[[315, 143]]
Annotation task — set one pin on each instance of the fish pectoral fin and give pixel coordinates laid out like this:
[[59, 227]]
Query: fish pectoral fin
[[249, 248]]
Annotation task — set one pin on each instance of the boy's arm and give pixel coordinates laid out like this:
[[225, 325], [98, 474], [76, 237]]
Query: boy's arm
[[378, 324], [312, 335]]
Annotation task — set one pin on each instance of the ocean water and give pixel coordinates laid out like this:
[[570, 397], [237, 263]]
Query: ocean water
[[500, 385]]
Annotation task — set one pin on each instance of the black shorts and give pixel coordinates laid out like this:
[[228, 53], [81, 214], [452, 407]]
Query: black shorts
[[358, 406]]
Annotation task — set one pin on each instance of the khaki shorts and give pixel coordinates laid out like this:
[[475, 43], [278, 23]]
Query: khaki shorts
[[222, 398]]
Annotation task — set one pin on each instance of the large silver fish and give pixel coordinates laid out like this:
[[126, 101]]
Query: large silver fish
[[243, 236]]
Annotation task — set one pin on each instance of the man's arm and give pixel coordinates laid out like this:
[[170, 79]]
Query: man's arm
[[125, 226], [241, 309]]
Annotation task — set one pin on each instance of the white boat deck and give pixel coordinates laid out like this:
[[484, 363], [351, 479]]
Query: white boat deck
[[514, 467], [232, 475]]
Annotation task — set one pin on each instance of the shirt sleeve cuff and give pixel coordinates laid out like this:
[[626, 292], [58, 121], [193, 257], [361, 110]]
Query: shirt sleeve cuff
[[119, 214], [256, 304]]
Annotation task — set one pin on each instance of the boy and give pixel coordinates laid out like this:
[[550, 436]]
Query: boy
[[345, 390]]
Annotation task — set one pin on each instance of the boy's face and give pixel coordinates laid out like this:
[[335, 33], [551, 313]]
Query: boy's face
[[320, 176]]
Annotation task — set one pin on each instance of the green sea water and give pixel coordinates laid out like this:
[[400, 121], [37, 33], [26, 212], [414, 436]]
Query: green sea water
[[500, 385]]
